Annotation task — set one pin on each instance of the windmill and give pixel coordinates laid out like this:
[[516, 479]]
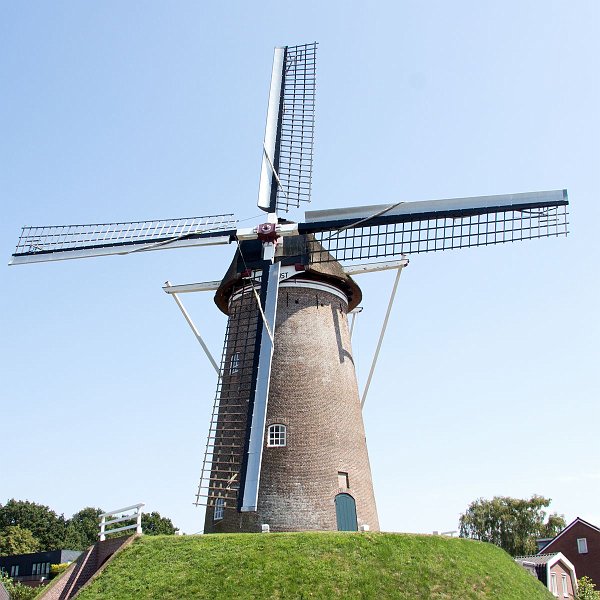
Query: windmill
[[286, 445]]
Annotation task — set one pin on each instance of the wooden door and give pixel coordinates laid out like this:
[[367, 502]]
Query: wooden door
[[345, 512]]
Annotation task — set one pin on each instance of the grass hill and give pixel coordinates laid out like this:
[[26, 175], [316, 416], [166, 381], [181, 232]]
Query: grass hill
[[312, 565]]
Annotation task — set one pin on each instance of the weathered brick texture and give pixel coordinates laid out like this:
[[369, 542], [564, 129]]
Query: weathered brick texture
[[314, 394], [587, 564], [84, 568]]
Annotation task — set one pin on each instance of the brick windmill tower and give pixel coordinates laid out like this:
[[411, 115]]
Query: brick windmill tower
[[286, 444], [315, 471]]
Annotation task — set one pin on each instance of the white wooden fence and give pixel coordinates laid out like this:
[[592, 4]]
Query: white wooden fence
[[136, 515]]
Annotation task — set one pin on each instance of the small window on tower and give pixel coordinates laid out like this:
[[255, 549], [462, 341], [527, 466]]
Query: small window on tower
[[277, 435], [343, 482], [582, 545], [234, 364], [219, 509]]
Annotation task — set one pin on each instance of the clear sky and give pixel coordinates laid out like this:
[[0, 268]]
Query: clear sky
[[115, 111]]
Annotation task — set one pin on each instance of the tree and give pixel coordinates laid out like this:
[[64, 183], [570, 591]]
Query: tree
[[586, 589], [511, 523], [47, 527], [82, 528], [15, 539], [29, 527], [154, 524]]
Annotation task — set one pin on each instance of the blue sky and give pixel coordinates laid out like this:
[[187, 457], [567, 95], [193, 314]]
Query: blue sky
[[487, 383]]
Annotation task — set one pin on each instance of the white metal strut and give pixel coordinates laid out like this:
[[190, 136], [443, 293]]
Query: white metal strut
[[383, 328]]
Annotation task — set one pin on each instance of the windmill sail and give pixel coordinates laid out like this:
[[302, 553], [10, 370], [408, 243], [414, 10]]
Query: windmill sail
[[231, 467], [257, 409], [61, 242], [367, 232], [286, 172], [223, 457]]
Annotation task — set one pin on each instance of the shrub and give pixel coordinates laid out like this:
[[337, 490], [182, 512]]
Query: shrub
[[58, 569], [586, 590], [16, 590]]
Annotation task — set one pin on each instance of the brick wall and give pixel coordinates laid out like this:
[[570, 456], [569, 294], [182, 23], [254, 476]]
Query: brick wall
[[315, 394], [559, 569], [64, 587], [84, 569], [585, 564]]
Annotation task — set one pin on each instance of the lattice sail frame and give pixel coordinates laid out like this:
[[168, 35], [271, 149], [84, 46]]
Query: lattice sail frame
[[413, 234], [297, 125], [77, 241], [224, 454]]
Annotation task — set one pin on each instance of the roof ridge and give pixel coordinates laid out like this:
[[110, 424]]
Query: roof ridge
[[576, 520]]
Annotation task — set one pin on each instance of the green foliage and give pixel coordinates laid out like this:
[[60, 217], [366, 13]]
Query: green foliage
[[154, 524], [82, 529], [29, 527], [15, 539], [59, 568], [586, 589], [47, 527], [18, 591], [313, 565], [511, 523]]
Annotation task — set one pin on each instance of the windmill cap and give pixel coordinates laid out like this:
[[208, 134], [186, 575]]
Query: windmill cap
[[299, 249]]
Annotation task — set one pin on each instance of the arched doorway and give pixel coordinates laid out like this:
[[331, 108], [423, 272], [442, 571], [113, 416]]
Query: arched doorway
[[345, 512]]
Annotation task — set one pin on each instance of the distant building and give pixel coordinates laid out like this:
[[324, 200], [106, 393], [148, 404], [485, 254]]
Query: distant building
[[555, 571], [580, 543], [34, 569]]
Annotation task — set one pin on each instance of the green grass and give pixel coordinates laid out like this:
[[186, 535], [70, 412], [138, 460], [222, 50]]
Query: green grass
[[313, 565]]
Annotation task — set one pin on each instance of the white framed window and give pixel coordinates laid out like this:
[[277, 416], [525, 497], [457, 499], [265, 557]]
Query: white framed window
[[277, 435], [565, 587], [582, 545], [234, 363], [219, 509], [553, 587], [14, 571]]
